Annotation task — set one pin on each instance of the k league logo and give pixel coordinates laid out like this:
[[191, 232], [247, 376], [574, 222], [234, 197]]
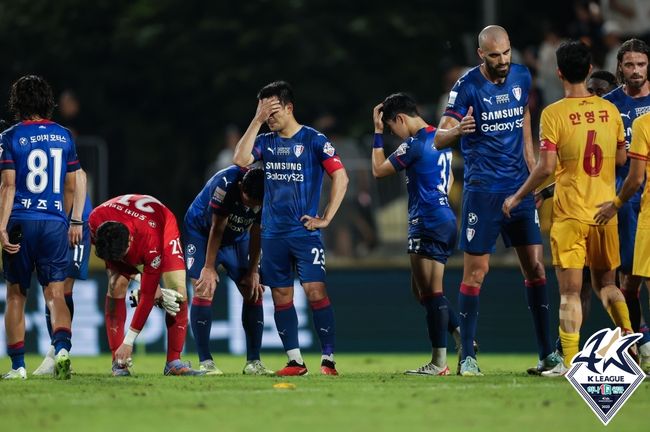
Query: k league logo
[[604, 374]]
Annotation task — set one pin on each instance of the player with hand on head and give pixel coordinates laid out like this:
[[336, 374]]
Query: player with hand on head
[[295, 158], [488, 113], [39, 173], [130, 231], [216, 232], [582, 141], [432, 223]]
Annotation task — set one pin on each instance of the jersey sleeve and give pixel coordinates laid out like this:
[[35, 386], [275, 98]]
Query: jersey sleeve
[[527, 82], [73, 159], [458, 102], [258, 147], [640, 147], [407, 153], [221, 201], [6, 153], [548, 132], [326, 154], [620, 130]]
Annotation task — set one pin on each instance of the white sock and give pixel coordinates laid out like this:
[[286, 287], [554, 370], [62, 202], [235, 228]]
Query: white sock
[[644, 349], [329, 357], [294, 354], [439, 357]]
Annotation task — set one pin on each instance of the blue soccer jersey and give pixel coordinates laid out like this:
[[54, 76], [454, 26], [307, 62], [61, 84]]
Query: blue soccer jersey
[[293, 169], [427, 180], [493, 154], [630, 108], [42, 153], [221, 196]]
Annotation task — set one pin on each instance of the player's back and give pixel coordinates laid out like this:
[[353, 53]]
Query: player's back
[[585, 132], [41, 153]]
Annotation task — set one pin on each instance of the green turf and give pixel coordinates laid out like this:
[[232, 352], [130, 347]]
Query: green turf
[[370, 394]]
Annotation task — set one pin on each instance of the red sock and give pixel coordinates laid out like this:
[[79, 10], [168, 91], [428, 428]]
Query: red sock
[[176, 331], [115, 316]]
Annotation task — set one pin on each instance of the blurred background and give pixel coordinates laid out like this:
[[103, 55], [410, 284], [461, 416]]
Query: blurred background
[[159, 92]]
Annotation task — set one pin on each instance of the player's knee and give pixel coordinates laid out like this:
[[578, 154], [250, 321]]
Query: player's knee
[[537, 271], [477, 274], [282, 296], [315, 291], [570, 288]]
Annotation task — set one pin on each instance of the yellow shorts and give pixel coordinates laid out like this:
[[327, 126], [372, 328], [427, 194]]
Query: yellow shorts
[[575, 245], [641, 264]]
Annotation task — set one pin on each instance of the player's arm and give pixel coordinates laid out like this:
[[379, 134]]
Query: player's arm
[[209, 277], [544, 194], [7, 194], [75, 232], [621, 154], [251, 279], [544, 168], [243, 151], [529, 152], [381, 167], [451, 130], [632, 183], [337, 193]]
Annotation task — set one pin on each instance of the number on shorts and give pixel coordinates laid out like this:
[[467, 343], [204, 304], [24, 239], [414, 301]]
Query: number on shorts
[[414, 244], [319, 256], [78, 254]]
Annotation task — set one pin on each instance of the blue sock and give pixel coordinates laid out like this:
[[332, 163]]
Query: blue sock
[[437, 319], [537, 298], [468, 302], [646, 334], [454, 321], [62, 339], [201, 323], [286, 320], [323, 314], [252, 319], [17, 353]]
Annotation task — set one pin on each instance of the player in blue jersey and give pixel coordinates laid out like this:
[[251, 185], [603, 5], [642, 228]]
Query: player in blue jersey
[[78, 258], [216, 232], [295, 158], [632, 99], [488, 112], [432, 223], [39, 164]]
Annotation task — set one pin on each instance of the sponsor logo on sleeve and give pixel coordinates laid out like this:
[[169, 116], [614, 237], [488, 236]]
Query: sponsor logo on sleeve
[[155, 263], [219, 194], [452, 98], [401, 150], [329, 149]]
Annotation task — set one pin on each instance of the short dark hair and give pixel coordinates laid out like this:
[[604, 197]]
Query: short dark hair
[[606, 76], [253, 184], [111, 241], [280, 89], [399, 103], [573, 60], [630, 45], [31, 96]]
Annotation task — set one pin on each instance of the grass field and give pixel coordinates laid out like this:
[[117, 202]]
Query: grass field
[[371, 394]]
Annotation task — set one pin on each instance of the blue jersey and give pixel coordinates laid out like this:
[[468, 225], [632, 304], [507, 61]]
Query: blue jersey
[[221, 196], [293, 169], [630, 108], [494, 154], [427, 179], [42, 153]]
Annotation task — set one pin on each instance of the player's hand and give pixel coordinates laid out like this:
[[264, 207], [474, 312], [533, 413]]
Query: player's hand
[[539, 199], [123, 355], [252, 290], [170, 301], [75, 233], [6, 245], [377, 118], [467, 125], [314, 223], [509, 204], [266, 108], [207, 283], [606, 211]]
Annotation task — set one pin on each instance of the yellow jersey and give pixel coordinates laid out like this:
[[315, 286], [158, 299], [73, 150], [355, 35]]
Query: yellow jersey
[[585, 132], [640, 149]]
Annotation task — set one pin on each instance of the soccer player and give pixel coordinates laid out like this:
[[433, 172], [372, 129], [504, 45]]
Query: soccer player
[[488, 112], [582, 135], [601, 82], [432, 223], [138, 230], [78, 258], [295, 157], [39, 164], [632, 100], [216, 232]]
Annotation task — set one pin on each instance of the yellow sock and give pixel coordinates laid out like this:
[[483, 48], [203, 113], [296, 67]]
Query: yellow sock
[[620, 315], [570, 343]]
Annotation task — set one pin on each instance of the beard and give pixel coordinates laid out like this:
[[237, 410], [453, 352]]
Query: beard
[[635, 81], [495, 71]]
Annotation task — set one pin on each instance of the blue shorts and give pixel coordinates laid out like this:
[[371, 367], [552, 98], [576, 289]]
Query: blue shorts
[[281, 255], [44, 246], [233, 257], [483, 221], [79, 256], [628, 218], [437, 243]]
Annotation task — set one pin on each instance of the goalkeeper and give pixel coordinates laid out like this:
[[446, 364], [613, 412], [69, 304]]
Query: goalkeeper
[[138, 234]]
